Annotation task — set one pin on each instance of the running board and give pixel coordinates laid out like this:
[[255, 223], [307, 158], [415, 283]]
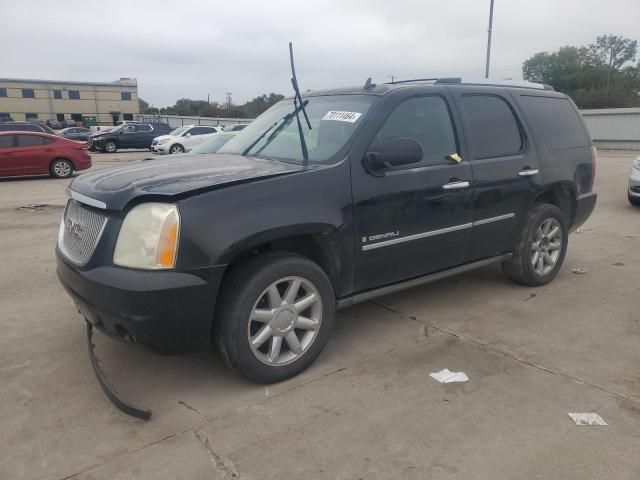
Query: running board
[[396, 287]]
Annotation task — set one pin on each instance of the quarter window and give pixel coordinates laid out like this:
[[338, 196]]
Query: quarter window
[[425, 120], [125, 95], [494, 129], [74, 94], [57, 94]]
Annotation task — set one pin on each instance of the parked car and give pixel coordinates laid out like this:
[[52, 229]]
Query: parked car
[[127, 135], [235, 128], [253, 248], [634, 183], [182, 138], [53, 124], [68, 122], [213, 143], [25, 127], [76, 133], [33, 153]]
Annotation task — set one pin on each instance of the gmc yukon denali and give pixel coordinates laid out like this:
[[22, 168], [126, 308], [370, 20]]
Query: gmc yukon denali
[[374, 189]]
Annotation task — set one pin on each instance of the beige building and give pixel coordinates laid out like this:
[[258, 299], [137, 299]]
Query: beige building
[[44, 100]]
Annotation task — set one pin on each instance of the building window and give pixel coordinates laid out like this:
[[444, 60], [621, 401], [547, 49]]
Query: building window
[[3, 92], [5, 117], [57, 94], [127, 116], [60, 117], [76, 117], [28, 93], [74, 94], [31, 116], [125, 95]]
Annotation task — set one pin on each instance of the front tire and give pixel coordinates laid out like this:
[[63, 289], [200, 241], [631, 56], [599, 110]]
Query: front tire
[[275, 316], [177, 148], [541, 247], [110, 147], [61, 168]]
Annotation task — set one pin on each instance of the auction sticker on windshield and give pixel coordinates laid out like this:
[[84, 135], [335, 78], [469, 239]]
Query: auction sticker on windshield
[[350, 117]]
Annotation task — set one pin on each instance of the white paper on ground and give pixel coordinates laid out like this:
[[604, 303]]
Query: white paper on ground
[[590, 419], [447, 376]]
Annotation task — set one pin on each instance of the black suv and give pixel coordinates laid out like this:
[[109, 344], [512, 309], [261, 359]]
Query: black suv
[[385, 188], [127, 135]]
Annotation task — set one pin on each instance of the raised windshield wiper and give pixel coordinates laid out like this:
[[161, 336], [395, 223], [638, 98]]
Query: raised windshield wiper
[[285, 121], [296, 99]]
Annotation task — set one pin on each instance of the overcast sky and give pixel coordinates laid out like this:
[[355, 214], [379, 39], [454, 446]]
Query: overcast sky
[[181, 48]]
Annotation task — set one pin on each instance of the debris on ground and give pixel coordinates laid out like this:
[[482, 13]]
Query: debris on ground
[[447, 376], [579, 271], [532, 295], [618, 264], [587, 419]]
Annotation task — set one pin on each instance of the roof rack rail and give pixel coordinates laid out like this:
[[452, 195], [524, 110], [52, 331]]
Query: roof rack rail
[[483, 81]]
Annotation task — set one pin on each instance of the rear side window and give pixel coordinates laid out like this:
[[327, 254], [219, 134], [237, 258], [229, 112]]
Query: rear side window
[[30, 140], [557, 122], [6, 141], [494, 129]]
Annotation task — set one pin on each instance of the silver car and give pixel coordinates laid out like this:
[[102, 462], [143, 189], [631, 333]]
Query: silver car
[[634, 183]]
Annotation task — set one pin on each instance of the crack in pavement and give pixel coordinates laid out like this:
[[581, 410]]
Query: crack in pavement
[[223, 464], [511, 355]]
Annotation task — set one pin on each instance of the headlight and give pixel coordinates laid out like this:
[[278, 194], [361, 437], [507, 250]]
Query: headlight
[[149, 237], [165, 140], [636, 164]]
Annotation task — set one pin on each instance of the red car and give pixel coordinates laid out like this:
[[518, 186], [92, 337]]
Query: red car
[[31, 153]]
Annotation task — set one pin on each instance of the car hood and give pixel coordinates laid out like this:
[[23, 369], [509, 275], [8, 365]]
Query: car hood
[[172, 176]]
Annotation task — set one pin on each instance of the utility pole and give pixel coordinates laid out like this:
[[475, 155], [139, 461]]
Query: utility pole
[[229, 101], [208, 99], [392, 77], [486, 71]]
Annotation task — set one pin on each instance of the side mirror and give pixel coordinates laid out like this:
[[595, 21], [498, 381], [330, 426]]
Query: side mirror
[[188, 135], [394, 152]]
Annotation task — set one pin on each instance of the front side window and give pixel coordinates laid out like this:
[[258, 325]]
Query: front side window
[[57, 94], [29, 140], [334, 120], [28, 93], [494, 129], [425, 120], [74, 94], [143, 128]]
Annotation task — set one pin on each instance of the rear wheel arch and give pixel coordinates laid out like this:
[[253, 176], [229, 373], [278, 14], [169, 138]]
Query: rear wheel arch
[[563, 196]]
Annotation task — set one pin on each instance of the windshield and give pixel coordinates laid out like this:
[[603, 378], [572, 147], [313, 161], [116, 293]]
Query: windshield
[[213, 144], [334, 119], [177, 131]]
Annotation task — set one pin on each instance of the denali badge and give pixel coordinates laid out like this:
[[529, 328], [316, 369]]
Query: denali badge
[[74, 228], [381, 236]]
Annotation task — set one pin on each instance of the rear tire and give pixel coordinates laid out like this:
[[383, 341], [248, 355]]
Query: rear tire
[[265, 334], [61, 168], [635, 201], [541, 246]]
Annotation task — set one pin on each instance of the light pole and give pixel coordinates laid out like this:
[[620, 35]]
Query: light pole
[[486, 71]]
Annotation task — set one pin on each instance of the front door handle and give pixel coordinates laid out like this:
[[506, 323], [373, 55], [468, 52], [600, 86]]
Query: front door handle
[[528, 172], [456, 185]]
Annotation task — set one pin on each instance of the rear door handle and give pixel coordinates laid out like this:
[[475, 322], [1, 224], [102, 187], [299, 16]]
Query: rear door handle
[[528, 172], [456, 185]]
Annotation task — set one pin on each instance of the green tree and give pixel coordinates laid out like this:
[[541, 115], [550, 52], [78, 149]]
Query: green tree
[[595, 76]]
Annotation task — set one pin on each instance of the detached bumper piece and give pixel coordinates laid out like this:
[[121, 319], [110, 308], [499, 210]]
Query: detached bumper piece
[[108, 390]]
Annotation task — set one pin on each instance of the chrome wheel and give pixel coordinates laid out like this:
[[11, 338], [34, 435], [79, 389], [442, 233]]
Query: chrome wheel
[[176, 149], [285, 321], [62, 168], [546, 246]]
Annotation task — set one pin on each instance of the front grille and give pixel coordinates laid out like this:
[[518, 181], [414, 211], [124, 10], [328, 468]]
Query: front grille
[[80, 232]]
